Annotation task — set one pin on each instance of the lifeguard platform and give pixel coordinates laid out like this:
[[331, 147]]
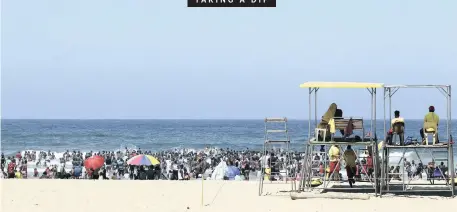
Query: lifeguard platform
[[394, 176], [276, 138], [323, 137]]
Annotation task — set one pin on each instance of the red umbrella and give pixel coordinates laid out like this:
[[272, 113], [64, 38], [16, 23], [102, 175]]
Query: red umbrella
[[94, 162]]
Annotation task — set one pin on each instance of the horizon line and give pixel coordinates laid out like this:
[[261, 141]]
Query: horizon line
[[145, 119]]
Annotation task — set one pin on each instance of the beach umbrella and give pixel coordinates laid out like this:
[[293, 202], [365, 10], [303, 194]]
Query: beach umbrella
[[94, 162], [143, 160]]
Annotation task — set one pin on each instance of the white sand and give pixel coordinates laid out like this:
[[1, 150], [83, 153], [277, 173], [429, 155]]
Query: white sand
[[163, 196]]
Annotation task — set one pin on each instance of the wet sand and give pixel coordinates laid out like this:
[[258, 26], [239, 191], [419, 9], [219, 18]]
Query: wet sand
[[180, 196]]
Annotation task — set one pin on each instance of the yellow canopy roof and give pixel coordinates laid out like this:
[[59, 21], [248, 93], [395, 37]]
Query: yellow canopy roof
[[341, 85]]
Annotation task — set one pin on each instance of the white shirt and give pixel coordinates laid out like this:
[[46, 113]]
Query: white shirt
[[399, 119], [168, 165]]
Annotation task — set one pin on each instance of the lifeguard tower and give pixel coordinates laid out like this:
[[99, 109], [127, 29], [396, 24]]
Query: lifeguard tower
[[438, 180], [322, 137], [276, 135]]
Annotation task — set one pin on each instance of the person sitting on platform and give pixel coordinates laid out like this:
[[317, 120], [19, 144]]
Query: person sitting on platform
[[431, 122], [334, 157], [351, 166], [397, 127], [332, 112]]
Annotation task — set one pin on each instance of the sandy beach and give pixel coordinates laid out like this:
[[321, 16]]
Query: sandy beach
[[180, 196]]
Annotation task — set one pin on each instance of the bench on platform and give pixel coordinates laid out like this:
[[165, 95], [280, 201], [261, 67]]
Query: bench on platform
[[342, 123]]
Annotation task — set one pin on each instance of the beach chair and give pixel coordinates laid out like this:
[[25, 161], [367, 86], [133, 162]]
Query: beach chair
[[427, 133]]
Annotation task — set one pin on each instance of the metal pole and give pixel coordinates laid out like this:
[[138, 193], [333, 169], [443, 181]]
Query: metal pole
[[448, 135], [384, 109], [309, 114], [388, 124], [262, 163], [303, 169], [315, 106], [390, 106], [372, 114], [448, 110], [403, 170], [311, 90], [376, 154], [451, 150], [383, 162], [387, 169]]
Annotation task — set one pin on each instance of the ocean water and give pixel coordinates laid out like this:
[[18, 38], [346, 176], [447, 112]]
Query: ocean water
[[156, 135]]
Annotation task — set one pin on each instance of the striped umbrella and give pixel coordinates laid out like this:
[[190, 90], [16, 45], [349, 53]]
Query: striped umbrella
[[143, 160]]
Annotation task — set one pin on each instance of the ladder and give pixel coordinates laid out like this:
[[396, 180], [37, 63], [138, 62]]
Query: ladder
[[310, 168], [276, 133]]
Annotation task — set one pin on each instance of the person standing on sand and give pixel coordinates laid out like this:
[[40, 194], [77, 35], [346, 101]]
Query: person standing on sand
[[334, 157], [11, 168], [245, 169], [90, 173], [2, 163], [350, 158]]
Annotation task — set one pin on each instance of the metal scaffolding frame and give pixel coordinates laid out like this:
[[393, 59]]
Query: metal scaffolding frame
[[309, 167], [269, 141], [305, 176], [389, 91]]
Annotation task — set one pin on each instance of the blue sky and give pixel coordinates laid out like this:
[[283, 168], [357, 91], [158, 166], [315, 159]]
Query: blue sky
[[159, 59]]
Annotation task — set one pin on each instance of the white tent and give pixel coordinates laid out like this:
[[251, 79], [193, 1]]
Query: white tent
[[219, 171]]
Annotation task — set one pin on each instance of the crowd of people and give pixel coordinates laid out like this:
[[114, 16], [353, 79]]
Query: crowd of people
[[174, 164], [187, 164]]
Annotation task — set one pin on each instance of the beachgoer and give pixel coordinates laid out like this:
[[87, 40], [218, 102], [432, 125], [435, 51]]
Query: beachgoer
[[175, 171], [24, 169], [11, 168], [245, 169], [35, 172], [2, 163], [350, 158], [77, 172], [334, 157], [321, 169], [431, 122], [18, 156], [369, 165], [232, 171], [120, 166]]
